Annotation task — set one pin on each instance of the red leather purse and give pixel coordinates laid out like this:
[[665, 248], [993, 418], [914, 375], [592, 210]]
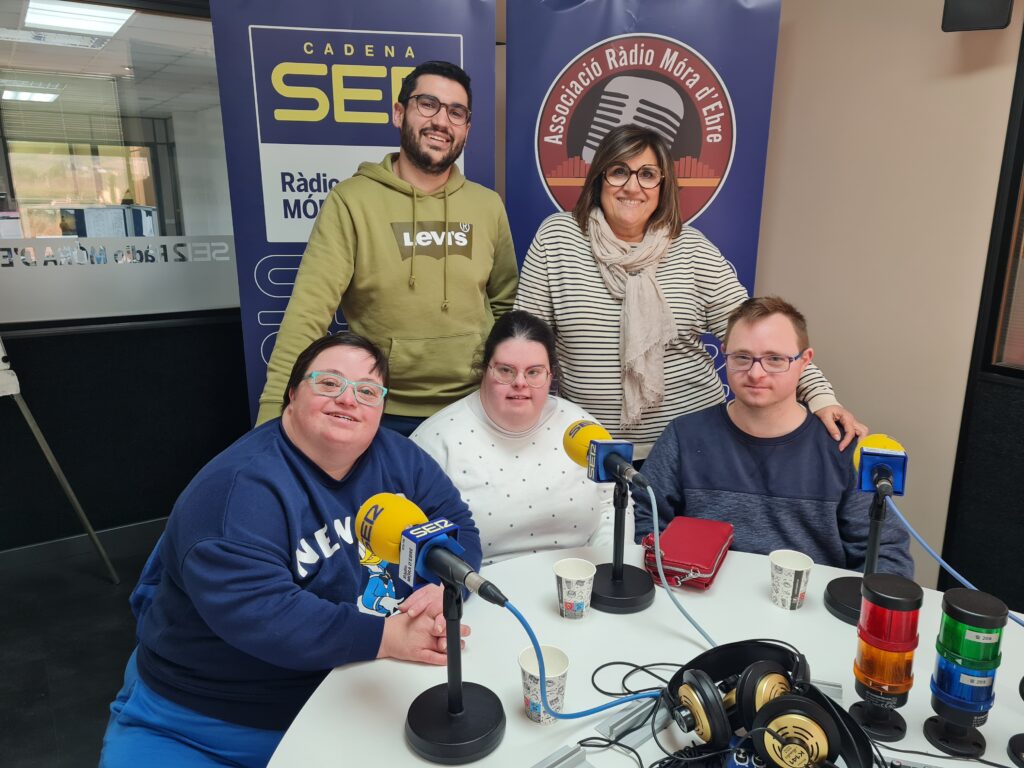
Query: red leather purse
[[692, 551]]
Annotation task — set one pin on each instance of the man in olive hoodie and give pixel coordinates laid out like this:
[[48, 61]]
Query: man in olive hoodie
[[420, 260]]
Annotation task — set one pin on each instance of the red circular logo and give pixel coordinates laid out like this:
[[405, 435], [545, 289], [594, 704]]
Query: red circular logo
[[652, 81]]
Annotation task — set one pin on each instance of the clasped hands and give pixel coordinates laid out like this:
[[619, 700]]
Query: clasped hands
[[417, 632]]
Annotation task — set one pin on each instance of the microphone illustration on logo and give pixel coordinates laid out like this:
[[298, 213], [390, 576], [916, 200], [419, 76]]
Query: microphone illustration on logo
[[626, 99]]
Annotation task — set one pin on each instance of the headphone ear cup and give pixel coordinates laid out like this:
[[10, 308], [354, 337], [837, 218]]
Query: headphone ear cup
[[809, 734], [760, 683], [699, 694]]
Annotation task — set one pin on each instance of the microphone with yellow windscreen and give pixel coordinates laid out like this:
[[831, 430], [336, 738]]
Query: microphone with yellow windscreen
[[381, 520], [881, 464], [577, 437], [606, 460], [618, 588], [455, 722]]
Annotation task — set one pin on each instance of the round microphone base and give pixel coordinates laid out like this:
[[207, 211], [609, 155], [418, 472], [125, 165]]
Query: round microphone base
[[1015, 750], [440, 737], [879, 723], [842, 598], [956, 740], [634, 592]]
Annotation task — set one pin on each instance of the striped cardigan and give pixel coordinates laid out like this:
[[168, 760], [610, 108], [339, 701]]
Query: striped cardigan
[[560, 283]]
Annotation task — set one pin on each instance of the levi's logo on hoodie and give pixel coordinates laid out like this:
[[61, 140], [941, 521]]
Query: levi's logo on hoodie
[[431, 237]]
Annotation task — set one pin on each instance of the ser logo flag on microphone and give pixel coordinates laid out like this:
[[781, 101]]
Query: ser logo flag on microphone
[[413, 540]]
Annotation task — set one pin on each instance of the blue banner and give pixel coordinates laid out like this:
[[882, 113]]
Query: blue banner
[[306, 94], [698, 71]]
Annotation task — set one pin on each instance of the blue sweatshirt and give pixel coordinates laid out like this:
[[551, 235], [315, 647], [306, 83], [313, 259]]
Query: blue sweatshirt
[[797, 491], [263, 589]]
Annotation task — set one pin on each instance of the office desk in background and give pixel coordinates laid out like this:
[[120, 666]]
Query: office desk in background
[[357, 715]]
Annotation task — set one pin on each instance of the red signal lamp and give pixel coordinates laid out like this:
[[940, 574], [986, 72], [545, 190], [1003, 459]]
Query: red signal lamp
[[886, 640]]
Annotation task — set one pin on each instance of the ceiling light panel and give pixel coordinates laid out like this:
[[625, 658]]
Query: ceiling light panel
[[76, 17], [46, 98]]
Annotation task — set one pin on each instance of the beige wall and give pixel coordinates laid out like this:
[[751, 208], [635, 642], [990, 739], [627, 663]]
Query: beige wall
[[883, 161]]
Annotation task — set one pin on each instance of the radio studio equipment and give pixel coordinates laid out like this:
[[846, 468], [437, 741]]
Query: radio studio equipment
[[455, 722], [886, 639], [881, 465], [618, 588], [764, 688], [966, 658]]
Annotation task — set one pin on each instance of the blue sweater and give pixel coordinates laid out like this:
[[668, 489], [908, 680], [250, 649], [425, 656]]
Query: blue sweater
[[797, 491], [262, 590]]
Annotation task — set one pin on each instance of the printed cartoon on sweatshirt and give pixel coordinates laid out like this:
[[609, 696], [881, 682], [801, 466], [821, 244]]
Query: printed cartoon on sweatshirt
[[379, 594]]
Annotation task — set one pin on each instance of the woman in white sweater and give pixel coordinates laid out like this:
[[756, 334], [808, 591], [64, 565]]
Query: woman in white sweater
[[502, 447]]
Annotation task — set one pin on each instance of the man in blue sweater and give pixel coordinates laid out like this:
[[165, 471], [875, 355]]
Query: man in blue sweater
[[259, 581], [762, 462]]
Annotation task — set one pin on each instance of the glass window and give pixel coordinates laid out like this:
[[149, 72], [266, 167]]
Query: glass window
[[111, 153], [1009, 346]]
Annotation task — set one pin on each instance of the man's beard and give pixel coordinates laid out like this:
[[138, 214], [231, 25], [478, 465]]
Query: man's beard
[[422, 160]]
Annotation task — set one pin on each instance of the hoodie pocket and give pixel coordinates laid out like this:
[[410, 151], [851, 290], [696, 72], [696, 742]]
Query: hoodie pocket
[[434, 368]]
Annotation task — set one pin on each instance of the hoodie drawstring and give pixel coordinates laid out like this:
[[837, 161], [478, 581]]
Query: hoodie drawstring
[[412, 259], [444, 296]]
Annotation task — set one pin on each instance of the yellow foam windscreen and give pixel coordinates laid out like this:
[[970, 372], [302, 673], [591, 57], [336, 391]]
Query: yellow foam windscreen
[[880, 441], [577, 437], [381, 520]]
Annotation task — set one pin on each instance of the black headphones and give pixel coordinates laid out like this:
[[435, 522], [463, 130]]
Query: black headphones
[[764, 687]]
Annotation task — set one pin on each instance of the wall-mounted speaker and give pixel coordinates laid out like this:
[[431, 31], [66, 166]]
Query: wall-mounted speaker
[[970, 15]]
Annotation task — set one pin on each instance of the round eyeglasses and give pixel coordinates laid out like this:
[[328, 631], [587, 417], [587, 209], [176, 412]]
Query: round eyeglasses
[[428, 106], [647, 176], [739, 362], [333, 385], [536, 376]]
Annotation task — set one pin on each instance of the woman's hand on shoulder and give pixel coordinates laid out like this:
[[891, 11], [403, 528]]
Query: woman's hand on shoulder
[[421, 638], [831, 415]]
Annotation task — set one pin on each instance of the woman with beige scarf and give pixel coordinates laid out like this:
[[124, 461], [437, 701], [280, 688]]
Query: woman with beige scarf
[[630, 291]]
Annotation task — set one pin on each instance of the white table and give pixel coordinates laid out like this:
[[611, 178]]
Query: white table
[[357, 715]]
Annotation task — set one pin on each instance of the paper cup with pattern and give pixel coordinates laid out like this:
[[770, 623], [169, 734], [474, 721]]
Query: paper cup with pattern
[[574, 579], [556, 669], [791, 572]]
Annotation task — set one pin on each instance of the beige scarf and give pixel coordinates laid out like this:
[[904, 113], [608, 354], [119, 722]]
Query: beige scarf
[[647, 324]]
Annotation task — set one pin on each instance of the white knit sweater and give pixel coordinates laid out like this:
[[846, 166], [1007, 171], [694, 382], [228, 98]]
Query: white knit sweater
[[525, 493], [560, 283]]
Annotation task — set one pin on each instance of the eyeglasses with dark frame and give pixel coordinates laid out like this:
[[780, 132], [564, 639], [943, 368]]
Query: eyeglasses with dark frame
[[740, 362], [536, 376], [647, 176], [428, 106], [333, 385]]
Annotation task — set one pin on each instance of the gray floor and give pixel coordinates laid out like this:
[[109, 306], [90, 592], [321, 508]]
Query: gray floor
[[65, 634]]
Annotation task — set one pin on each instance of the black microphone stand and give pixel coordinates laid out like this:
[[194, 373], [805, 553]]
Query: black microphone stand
[[455, 722], [842, 595], [620, 588]]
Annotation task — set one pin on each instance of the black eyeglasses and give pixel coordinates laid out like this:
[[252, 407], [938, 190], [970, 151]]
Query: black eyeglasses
[[647, 176], [740, 361], [428, 106]]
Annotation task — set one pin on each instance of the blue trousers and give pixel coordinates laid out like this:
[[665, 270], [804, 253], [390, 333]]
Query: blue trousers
[[146, 729]]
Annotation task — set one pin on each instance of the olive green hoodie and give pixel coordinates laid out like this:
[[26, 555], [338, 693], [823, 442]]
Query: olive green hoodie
[[423, 276]]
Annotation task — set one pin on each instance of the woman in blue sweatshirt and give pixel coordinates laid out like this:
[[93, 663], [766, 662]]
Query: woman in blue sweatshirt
[[261, 578]]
